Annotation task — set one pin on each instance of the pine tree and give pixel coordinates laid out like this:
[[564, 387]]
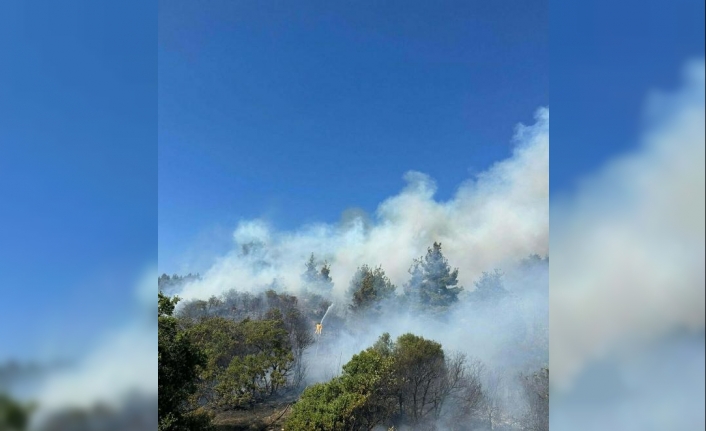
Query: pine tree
[[432, 281], [489, 288], [310, 275], [325, 280], [369, 287], [318, 280]]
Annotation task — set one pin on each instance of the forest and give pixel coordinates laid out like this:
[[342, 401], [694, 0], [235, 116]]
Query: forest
[[429, 355]]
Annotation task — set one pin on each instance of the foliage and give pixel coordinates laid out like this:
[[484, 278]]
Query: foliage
[[433, 282], [254, 347], [420, 370], [247, 361], [178, 366], [368, 288], [317, 280], [407, 381], [297, 325], [489, 288], [166, 282], [14, 416], [357, 400]]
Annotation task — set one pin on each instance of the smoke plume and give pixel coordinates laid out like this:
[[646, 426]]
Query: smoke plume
[[495, 219], [628, 265]]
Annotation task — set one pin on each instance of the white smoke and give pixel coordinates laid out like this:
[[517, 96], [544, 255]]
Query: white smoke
[[510, 336], [628, 264], [120, 369], [494, 220]]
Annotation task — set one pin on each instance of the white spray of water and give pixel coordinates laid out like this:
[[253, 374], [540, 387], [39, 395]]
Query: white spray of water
[[326, 314]]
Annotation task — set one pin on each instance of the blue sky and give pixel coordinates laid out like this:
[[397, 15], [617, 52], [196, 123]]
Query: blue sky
[[605, 56], [78, 170], [296, 113]]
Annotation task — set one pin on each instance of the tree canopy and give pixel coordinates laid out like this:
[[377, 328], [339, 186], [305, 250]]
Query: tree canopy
[[404, 382], [319, 280], [489, 288], [433, 282], [179, 362], [368, 288], [14, 416]]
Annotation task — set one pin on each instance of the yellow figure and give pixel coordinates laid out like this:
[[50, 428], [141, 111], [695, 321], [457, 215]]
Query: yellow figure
[[319, 327]]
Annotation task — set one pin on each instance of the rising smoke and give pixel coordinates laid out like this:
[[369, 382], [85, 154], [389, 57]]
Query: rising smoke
[[630, 244], [114, 387], [496, 220], [627, 291]]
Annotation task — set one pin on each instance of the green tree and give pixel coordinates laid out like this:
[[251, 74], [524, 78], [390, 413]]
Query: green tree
[[310, 274], [166, 282], [368, 288], [178, 367], [325, 276], [360, 399], [318, 280], [297, 325], [404, 382], [324, 407], [247, 361], [220, 340], [420, 369], [433, 282], [384, 345], [14, 416], [489, 288]]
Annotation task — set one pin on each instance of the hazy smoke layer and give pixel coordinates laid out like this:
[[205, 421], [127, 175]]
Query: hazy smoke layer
[[494, 220], [628, 263], [510, 336], [118, 376]]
